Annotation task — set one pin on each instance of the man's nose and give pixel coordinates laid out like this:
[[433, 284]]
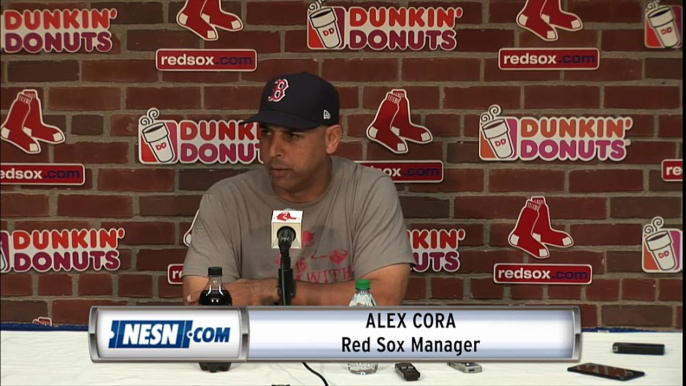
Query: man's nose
[[275, 146]]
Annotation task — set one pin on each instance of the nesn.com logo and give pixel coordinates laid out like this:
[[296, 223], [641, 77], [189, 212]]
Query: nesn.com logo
[[163, 334]]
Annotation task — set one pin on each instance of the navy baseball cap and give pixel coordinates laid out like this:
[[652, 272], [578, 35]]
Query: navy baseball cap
[[300, 101]]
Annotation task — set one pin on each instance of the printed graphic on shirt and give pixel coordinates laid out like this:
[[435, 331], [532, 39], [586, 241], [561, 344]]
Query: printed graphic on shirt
[[534, 233], [543, 18], [664, 25], [662, 248]]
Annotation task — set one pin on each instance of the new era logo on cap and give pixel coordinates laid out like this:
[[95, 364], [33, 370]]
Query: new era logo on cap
[[298, 101]]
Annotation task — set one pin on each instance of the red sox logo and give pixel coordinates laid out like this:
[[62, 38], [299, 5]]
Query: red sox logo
[[285, 216], [279, 91]]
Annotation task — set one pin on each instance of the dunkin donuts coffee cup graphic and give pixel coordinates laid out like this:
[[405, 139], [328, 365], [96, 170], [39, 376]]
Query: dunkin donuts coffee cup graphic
[[325, 23], [663, 26], [156, 135], [497, 133], [662, 248]]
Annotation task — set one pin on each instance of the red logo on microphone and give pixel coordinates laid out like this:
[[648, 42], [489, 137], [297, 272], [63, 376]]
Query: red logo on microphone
[[285, 216]]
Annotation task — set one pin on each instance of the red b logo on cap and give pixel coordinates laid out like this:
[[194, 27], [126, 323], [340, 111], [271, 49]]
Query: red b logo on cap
[[279, 90]]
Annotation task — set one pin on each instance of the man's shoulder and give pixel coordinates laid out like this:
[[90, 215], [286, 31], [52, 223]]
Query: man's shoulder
[[361, 178]]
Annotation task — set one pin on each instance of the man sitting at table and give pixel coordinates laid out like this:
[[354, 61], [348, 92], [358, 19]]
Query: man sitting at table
[[353, 226]]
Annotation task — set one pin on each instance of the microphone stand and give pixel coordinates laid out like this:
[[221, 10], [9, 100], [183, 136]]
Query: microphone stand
[[285, 273]]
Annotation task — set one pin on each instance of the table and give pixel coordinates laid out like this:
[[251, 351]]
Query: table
[[62, 358]]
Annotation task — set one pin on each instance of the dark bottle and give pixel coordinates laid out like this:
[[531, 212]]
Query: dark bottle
[[215, 295]]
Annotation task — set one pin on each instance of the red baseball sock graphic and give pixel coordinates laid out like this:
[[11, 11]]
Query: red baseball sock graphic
[[530, 19], [521, 235], [543, 232], [12, 129], [554, 15], [190, 16], [34, 125], [403, 127], [380, 130], [219, 18]]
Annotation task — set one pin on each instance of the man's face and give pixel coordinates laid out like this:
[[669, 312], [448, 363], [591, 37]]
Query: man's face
[[292, 157]]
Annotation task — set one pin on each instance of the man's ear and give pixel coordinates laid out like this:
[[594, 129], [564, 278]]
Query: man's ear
[[332, 136]]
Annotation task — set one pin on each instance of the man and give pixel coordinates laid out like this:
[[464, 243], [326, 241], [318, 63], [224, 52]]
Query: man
[[353, 225]]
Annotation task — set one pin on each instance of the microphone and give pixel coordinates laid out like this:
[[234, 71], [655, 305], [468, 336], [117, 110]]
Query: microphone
[[287, 229]]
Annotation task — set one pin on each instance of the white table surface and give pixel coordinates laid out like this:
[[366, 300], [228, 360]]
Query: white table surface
[[62, 358]]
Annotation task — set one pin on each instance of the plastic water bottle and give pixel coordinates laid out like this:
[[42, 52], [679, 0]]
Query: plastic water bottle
[[363, 298], [215, 295]]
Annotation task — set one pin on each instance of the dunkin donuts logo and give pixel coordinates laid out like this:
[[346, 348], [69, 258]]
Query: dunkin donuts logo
[[60, 250], [503, 138], [413, 28], [664, 25], [662, 248], [58, 30], [170, 142], [436, 250]]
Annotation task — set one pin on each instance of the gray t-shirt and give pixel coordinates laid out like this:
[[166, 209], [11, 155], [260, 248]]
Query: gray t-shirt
[[356, 227]]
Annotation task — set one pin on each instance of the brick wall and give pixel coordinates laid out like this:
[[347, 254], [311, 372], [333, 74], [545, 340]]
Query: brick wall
[[98, 98]]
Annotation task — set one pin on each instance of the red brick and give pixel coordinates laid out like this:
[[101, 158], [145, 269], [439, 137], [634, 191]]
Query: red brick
[[358, 123], [583, 38], [645, 207], [135, 286], [9, 94], [276, 13], [638, 289], [166, 290], [419, 97], [652, 97], [471, 10], [296, 41], [169, 205], [563, 97], [350, 150], [670, 126], [610, 70], [526, 292], [663, 68], [644, 126], [264, 42], [43, 71], [488, 207], [430, 151], [565, 208], [16, 284], [22, 310], [637, 316], [85, 98], [93, 153], [474, 233], [269, 68], [514, 180], [26, 6], [500, 232], [3, 78], [597, 181], [136, 12], [416, 288], [483, 261], [360, 70], [571, 292], [503, 11], [484, 40], [203, 179], [463, 152], [125, 259], [481, 97], [31, 226], [129, 71], [576, 256], [136, 180], [163, 98], [152, 40], [603, 290], [446, 288], [606, 234], [671, 290], [486, 289], [11, 153], [86, 125], [23, 205], [159, 259], [493, 73], [624, 261], [95, 284], [94, 206], [623, 40], [607, 11], [124, 125], [656, 183], [443, 125], [454, 180], [348, 97], [424, 207], [54, 284], [649, 152], [144, 233], [233, 97], [200, 77], [441, 70], [71, 311]]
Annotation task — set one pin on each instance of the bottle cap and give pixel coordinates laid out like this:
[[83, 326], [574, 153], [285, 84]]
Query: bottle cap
[[214, 271], [362, 284]]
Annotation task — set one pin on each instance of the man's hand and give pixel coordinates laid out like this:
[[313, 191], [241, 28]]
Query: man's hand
[[246, 292]]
